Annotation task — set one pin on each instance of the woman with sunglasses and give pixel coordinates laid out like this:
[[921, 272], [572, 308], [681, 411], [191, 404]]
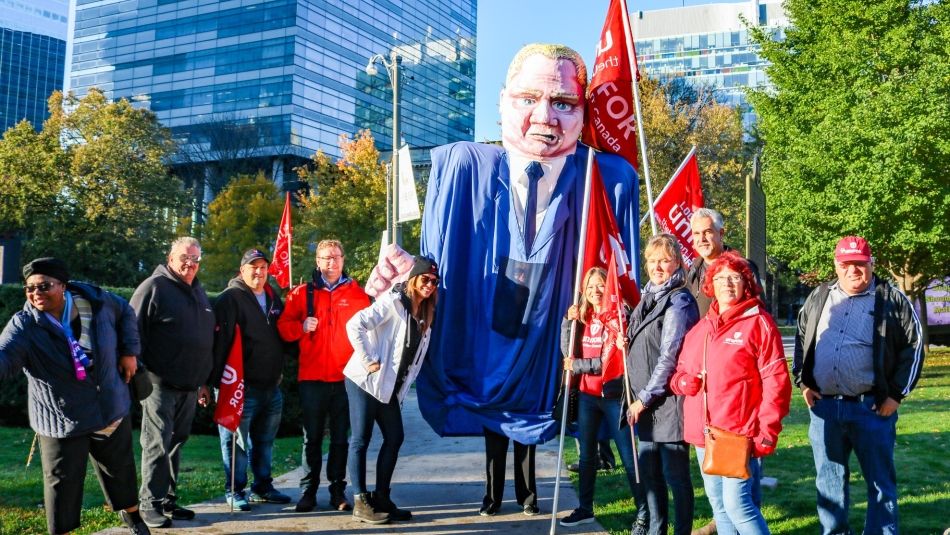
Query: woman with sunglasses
[[389, 339], [77, 344]]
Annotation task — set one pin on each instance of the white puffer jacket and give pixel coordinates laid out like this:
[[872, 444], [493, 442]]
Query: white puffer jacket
[[378, 334]]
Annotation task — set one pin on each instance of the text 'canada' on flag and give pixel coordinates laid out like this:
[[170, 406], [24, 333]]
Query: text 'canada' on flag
[[611, 117], [230, 405], [604, 242], [280, 267]]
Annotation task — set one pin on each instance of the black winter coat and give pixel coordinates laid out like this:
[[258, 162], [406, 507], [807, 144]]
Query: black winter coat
[[176, 324]]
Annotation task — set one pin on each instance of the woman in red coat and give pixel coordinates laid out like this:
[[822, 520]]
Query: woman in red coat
[[747, 384]]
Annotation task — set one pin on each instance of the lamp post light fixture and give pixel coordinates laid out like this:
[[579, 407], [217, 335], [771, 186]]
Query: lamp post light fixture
[[392, 67]]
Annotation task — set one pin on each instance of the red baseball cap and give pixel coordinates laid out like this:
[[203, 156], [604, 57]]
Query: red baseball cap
[[853, 249]]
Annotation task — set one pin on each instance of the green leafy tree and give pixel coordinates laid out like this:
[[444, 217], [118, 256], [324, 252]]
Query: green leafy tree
[[94, 188], [347, 202], [245, 214], [857, 135]]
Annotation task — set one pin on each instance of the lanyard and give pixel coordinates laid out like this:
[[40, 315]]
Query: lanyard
[[80, 359]]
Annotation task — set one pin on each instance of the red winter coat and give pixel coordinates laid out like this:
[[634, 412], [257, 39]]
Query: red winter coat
[[747, 378], [325, 351]]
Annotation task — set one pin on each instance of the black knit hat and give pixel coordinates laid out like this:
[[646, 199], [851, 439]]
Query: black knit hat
[[423, 266], [49, 266]]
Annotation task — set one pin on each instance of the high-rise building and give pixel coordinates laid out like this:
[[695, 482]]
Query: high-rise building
[[272, 81], [32, 58], [708, 45]]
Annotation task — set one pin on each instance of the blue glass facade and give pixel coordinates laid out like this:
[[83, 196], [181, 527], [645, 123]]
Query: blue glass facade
[[293, 71], [31, 67]]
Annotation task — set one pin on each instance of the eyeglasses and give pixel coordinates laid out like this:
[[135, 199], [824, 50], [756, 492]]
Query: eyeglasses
[[337, 257], [41, 287], [722, 279], [193, 258], [428, 281]]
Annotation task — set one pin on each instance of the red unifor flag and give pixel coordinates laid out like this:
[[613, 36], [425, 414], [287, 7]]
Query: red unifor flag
[[611, 116], [612, 295], [230, 406], [280, 267], [603, 240], [677, 202]]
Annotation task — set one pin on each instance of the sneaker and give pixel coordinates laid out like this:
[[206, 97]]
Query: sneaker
[[488, 509], [307, 502], [531, 510], [134, 522], [153, 516], [178, 512], [577, 517], [271, 496], [574, 467], [641, 527], [237, 500]]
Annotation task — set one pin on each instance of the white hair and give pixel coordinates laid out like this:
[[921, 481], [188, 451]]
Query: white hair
[[184, 241], [713, 215]]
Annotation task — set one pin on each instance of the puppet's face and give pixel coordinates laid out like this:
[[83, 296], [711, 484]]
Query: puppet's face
[[542, 109]]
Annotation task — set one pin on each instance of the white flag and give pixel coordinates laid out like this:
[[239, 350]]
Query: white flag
[[408, 201]]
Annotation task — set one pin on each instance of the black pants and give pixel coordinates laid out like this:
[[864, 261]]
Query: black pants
[[64, 471], [496, 454], [324, 405]]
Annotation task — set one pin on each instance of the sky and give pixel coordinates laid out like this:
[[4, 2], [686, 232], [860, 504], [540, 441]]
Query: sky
[[504, 26]]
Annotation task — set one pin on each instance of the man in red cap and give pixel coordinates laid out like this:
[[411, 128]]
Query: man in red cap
[[858, 354]]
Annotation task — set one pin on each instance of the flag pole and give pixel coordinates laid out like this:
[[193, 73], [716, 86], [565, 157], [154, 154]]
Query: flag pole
[[578, 275], [628, 37], [670, 181], [626, 381], [290, 249], [29, 458], [233, 453]]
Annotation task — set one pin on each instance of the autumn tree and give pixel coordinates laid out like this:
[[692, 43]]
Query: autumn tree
[[245, 214], [347, 202], [857, 135], [92, 188]]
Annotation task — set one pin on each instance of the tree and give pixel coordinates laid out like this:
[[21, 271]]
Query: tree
[[245, 214], [857, 135], [347, 202], [95, 188], [676, 117]]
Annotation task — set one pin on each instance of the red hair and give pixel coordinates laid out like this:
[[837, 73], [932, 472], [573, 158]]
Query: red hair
[[735, 262]]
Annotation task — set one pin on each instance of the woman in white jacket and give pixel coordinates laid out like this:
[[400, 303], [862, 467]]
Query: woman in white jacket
[[389, 339]]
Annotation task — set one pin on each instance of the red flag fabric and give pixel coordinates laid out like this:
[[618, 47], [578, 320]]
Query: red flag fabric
[[612, 294], [603, 240], [677, 202], [611, 118], [280, 267], [231, 390]]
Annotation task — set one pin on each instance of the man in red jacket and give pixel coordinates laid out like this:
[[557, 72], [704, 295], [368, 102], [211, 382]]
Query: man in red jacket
[[315, 316]]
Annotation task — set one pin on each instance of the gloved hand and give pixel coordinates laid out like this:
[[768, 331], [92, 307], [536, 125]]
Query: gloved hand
[[689, 384]]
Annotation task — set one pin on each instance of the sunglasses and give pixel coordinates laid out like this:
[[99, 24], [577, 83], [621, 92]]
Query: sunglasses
[[430, 281], [41, 287], [193, 258]]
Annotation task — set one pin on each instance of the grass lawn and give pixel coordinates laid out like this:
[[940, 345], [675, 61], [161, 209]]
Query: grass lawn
[[21, 488], [923, 469]]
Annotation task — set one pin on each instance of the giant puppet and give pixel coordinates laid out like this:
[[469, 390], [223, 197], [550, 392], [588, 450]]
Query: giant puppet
[[494, 359]]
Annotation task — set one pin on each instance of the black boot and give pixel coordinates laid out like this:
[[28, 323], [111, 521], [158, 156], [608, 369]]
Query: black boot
[[308, 500], [338, 499], [364, 510], [384, 504]]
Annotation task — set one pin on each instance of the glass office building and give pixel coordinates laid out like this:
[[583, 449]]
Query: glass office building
[[708, 46], [32, 58], [277, 80]]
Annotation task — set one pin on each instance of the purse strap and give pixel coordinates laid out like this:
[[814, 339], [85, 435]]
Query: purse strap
[[705, 405]]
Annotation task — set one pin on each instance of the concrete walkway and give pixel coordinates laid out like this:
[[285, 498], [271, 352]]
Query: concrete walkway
[[441, 480]]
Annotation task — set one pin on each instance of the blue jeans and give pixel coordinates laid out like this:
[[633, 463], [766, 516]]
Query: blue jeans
[[838, 427], [324, 405], [259, 423], [591, 412], [664, 466], [733, 500], [365, 410]]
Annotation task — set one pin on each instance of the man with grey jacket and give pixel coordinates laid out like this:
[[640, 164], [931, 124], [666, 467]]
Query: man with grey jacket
[[176, 323]]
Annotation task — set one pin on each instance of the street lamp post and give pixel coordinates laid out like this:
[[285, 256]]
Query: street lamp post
[[392, 67]]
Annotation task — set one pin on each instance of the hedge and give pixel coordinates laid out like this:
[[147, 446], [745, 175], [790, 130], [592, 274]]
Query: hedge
[[13, 403]]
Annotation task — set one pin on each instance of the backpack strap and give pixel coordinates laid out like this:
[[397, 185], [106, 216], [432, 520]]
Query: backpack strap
[[310, 299]]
